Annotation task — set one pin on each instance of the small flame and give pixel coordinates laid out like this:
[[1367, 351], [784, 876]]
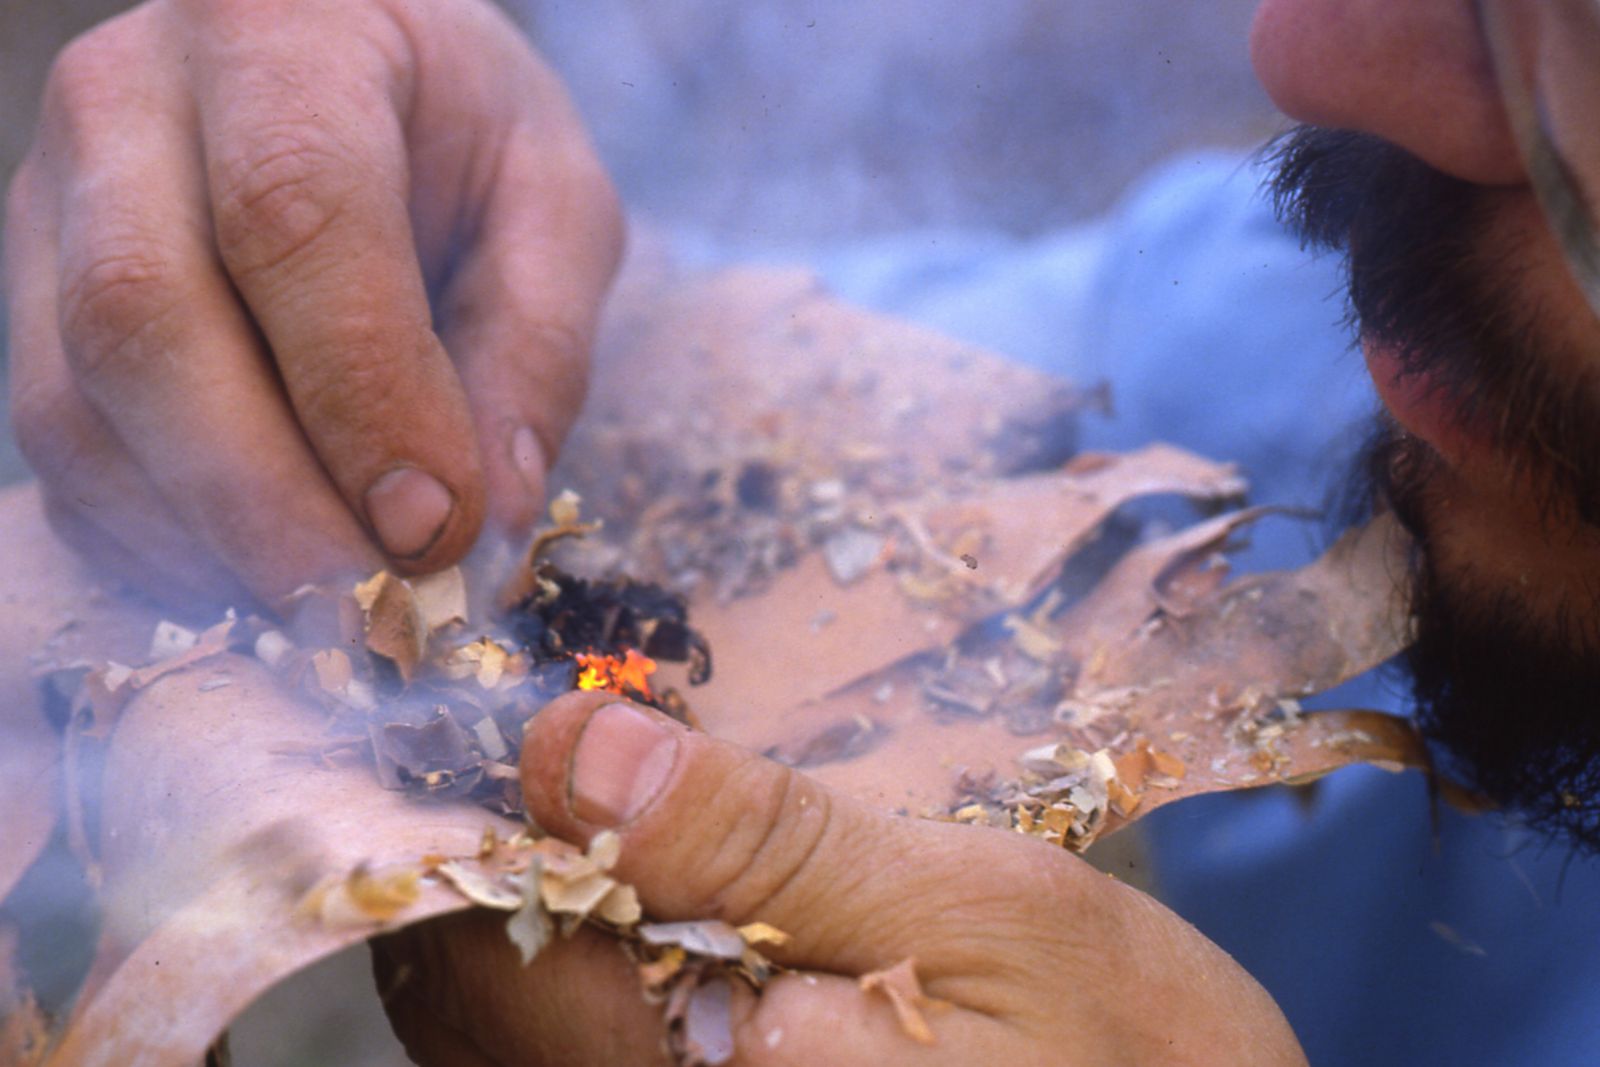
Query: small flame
[[633, 672]]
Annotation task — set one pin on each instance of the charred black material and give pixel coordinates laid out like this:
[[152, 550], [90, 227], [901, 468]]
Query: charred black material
[[568, 615]]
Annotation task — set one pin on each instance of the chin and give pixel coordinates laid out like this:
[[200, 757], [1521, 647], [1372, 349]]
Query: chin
[[1504, 669]]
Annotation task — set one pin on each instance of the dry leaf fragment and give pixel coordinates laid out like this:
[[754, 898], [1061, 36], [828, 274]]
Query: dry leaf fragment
[[366, 593], [395, 627], [530, 927], [566, 508], [707, 937], [620, 906], [213, 641], [575, 884], [657, 973], [170, 639], [360, 897], [578, 895], [1165, 763], [760, 933], [484, 659], [899, 983], [493, 742], [605, 849], [708, 1024], [481, 887], [272, 646], [382, 896], [441, 597], [333, 669]]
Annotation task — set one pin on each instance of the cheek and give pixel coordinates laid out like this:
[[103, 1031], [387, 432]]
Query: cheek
[[1414, 73]]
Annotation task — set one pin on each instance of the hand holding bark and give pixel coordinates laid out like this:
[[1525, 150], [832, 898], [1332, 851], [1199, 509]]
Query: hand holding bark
[[297, 289], [1041, 958]]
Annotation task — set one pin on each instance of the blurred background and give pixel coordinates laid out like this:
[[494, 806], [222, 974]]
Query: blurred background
[[777, 128]]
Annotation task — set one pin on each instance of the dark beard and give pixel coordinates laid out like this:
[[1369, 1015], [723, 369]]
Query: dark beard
[[1510, 706], [1510, 702], [1421, 282]]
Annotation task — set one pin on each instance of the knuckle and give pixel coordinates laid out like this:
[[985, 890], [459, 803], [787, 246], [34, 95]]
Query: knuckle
[[774, 831], [561, 343], [51, 430], [84, 76], [121, 290], [552, 379], [276, 195]]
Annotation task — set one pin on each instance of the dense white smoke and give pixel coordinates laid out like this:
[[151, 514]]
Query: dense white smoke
[[792, 120]]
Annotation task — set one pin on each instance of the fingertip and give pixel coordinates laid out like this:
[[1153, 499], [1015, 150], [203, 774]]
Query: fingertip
[[409, 510], [591, 762], [423, 522], [548, 741], [516, 478]]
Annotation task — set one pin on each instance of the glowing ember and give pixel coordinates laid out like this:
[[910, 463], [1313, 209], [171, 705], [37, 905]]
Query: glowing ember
[[632, 672]]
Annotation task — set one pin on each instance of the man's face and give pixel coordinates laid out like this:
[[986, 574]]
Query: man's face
[[1487, 358]]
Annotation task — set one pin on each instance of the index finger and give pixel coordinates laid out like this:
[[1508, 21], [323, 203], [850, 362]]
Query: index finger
[[308, 178]]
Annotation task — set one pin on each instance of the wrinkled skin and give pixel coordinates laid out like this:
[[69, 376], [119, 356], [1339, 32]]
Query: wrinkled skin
[[300, 289], [1042, 958]]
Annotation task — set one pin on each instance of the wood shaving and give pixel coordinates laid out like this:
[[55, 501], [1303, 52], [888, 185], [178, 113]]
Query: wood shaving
[[900, 985]]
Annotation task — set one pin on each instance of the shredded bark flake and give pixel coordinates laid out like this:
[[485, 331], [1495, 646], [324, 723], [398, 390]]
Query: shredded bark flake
[[531, 927], [395, 627], [708, 1024], [760, 933], [442, 598], [362, 896], [899, 983]]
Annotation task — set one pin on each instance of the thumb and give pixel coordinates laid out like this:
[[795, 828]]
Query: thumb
[[712, 830]]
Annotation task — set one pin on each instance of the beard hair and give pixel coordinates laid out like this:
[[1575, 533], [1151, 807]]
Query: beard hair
[[1424, 283], [1509, 701], [1510, 704]]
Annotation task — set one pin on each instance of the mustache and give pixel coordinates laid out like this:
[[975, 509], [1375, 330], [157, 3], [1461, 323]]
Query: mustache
[[1423, 281]]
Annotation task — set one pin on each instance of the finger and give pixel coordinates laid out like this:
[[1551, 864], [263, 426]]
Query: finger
[[157, 343], [578, 1002], [309, 184], [712, 830], [521, 311], [455, 989], [428, 1039], [98, 499]]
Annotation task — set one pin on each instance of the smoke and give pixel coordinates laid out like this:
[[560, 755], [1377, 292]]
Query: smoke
[[786, 120]]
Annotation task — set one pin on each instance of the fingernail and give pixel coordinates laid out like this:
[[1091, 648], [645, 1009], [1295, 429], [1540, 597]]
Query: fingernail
[[526, 454], [621, 762], [408, 510]]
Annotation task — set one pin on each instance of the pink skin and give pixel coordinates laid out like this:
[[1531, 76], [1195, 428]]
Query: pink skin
[[709, 829], [1417, 75], [226, 368]]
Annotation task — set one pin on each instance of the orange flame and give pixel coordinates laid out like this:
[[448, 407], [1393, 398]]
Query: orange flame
[[616, 675]]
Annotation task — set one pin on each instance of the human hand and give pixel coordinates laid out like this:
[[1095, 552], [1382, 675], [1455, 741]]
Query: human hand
[[300, 289], [1044, 959]]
